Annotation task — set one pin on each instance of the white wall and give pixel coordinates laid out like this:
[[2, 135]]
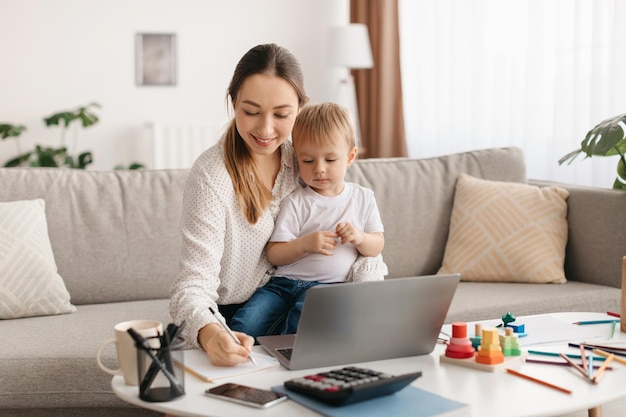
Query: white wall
[[60, 54]]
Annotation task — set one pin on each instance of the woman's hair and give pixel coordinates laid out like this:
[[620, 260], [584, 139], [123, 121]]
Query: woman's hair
[[253, 196], [324, 123]]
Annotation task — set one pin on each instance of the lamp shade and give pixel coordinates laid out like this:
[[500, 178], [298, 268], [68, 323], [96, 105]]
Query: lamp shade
[[350, 47]]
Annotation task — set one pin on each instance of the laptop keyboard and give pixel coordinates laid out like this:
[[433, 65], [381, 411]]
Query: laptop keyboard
[[286, 352]]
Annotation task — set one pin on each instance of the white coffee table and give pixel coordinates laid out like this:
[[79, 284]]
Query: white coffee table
[[487, 393]]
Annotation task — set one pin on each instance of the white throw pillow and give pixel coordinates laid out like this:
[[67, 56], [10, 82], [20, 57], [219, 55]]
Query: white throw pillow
[[29, 282], [507, 232]]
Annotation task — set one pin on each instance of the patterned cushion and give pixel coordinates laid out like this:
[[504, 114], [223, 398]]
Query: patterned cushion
[[29, 283], [503, 231]]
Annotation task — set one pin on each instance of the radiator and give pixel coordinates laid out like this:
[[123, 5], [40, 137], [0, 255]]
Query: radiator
[[177, 145]]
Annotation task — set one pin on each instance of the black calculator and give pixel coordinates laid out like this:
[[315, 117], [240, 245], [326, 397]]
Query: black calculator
[[349, 385]]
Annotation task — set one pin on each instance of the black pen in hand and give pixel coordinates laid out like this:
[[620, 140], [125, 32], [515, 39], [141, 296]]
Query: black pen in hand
[[230, 332]]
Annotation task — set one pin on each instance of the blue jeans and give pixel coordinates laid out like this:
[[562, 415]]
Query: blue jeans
[[273, 309]]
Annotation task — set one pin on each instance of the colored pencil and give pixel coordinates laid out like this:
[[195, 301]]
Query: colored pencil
[[606, 355], [611, 313], [610, 349], [579, 368], [569, 355], [542, 362], [584, 358], [192, 372], [538, 381], [612, 330], [581, 323], [603, 367]]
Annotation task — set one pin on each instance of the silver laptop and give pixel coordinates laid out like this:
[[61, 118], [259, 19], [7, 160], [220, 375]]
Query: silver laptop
[[366, 321]]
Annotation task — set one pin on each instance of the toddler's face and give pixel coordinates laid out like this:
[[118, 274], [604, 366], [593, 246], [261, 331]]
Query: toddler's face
[[323, 168]]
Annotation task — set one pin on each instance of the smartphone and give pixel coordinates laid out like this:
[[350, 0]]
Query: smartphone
[[253, 397]]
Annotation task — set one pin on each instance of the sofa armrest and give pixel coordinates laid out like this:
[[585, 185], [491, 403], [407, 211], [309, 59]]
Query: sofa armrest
[[596, 233]]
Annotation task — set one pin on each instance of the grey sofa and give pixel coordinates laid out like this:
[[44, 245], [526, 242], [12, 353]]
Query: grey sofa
[[116, 243]]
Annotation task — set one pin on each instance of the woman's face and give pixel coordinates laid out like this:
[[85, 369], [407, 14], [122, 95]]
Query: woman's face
[[265, 111]]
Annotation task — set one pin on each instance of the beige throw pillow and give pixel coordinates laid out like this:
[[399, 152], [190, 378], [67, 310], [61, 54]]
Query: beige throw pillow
[[507, 232], [29, 282]]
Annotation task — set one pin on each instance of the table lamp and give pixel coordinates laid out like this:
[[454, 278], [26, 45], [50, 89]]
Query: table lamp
[[350, 49]]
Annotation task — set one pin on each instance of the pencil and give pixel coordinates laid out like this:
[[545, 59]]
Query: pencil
[[610, 349], [603, 367], [611, 313], [538, 381], [595, 322], [612, 330], [542, 362], [583, 354], [569, 355], [578, 368], [192, 372], [606, 355]]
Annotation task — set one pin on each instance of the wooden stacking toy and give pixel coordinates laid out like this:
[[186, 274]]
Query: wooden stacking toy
[[460, 346], [490, 351]]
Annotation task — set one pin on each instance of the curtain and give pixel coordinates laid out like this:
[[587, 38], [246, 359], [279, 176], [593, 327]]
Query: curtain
[[379, 90], [537, 74]]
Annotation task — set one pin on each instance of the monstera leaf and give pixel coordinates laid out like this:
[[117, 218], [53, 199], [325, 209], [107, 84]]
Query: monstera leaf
[[607, 138]]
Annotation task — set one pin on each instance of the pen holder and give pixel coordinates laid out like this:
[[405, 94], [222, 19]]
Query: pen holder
[[160, 370]]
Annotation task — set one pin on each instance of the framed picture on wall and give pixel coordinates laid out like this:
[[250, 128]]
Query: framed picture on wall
[[155, 59]]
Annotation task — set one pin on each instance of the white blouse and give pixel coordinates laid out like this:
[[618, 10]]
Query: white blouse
[[223, 260]]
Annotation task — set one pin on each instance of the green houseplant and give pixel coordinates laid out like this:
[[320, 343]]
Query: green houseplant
[[56, 157], [607, 138], [12, 131]]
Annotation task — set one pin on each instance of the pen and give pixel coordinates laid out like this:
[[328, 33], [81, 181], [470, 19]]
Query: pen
[[596, 322], [230, 332]]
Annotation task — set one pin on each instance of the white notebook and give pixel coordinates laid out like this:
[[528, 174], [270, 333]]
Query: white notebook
[[197, 363]]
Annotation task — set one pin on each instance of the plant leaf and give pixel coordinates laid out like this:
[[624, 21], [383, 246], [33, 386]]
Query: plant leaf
[[84, 159], [602, 139], [570, 157], [9, 130]]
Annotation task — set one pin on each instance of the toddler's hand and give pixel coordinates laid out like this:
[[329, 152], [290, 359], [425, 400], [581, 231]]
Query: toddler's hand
[[323, 243], [348, 233]]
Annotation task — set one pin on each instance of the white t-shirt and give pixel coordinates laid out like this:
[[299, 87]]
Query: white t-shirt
[[304, 211]]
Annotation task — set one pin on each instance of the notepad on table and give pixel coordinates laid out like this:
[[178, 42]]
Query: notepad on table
[[410, 401], [197, 363]]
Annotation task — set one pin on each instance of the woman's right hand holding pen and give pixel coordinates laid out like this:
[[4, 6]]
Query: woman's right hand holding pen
[[221, 349]]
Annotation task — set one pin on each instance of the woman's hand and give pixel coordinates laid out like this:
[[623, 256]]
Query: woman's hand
[[221, 349]]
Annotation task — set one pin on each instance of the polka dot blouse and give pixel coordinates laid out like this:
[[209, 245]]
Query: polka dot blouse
[[223, 259]]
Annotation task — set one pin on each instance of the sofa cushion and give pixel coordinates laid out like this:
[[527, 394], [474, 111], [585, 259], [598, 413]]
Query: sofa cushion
[[503, 231], [415, 196], [29, 282], [475, 301], [50, 361], [115, 235]]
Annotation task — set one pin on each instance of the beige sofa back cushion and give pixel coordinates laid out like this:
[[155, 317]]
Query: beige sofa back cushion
[[114, 234], [415, 199]]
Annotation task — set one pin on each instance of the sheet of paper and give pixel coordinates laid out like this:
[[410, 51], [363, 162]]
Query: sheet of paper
[[546, 329], [197, 361]]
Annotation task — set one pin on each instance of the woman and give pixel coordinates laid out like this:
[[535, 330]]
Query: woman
[[231, 199]]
